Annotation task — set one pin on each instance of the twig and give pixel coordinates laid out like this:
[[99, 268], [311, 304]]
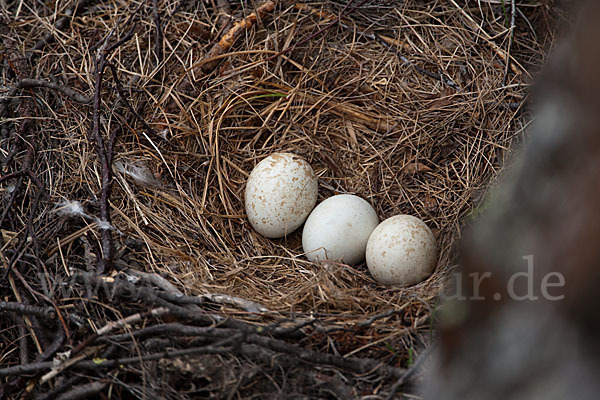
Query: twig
[[158, 45], [58, 341], [67, 91], [247, 305], [105, 152], [216, 348], [58, 368], [171, 329], [511, 38], [227, 40], [220, 298], [44, 312], [156, 280], [60, 387], [23, 346], [111, 326], [32, 83], [86, 391]]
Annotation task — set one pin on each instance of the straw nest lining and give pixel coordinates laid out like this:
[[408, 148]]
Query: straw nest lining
[[420, 124], [367, 124]]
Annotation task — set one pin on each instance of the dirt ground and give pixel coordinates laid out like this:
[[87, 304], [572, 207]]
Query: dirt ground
[[128, 130]]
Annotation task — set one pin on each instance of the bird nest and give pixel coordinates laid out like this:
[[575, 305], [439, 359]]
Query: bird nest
[[129, 130]]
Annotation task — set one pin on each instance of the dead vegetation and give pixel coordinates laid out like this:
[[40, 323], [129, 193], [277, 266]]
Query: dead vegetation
[[128, 130]]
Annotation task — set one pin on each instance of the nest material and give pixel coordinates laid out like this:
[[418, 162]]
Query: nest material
[[409, 105]]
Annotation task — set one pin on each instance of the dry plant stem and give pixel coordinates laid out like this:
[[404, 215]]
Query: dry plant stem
[[504, 56], [158, 45], [61, 24], [511, 38], [247, 305], [23, 348], [34, 83], [89, 390], [336, 20], [105, 153], [440, 77], [44, 312], [225, 43]]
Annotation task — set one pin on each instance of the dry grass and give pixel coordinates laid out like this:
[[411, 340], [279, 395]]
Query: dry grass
[[367, 123]]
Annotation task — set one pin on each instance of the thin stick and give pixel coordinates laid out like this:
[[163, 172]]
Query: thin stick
[[21, 308], [104, 153], [34, 83], [158, 45], [227, 40], [513, 11]]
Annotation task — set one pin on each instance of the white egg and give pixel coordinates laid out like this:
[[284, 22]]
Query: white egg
[[338, 229], [280, 193], [401, 251]]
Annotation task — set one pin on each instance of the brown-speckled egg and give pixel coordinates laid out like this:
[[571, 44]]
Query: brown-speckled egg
[[280, 193], [401, 251]]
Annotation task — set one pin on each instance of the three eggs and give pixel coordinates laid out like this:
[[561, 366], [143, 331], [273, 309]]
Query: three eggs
[[281, 193]]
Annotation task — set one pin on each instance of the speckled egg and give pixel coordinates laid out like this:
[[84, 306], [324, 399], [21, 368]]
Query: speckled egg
[[338, 229], [280, 193], [401, 251]]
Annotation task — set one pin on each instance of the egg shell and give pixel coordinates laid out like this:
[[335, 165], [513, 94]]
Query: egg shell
[[401, 251], [338, 229], [280, 193]]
